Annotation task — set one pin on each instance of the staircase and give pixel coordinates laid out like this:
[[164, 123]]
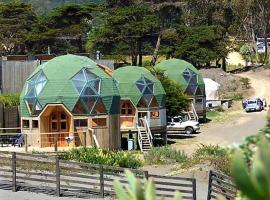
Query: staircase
[[192, 114], [145, 138]]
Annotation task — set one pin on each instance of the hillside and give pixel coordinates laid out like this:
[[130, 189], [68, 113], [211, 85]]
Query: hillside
[[43, 7]]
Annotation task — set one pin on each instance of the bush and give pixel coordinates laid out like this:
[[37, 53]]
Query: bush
[[10, 99], [105, 157], [210, 150], [165, 155], [245, 82], [214, 155]]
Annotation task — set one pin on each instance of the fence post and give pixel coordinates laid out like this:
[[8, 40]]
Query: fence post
[[101, 179], [57, 176], [209, 185], [194, 188], [84, 139], [55, 141], [14, 186], [26, 142], [146, 175]]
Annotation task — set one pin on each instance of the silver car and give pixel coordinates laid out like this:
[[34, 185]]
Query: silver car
[[253, 104]]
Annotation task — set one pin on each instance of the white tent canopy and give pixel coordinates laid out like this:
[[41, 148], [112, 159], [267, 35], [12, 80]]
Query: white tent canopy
[[211, 89]]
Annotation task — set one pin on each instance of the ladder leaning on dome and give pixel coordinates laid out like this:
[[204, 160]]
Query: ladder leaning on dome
[[145, 138]]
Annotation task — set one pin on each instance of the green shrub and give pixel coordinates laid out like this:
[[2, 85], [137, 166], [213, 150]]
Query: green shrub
[[10, 99], [210, 150], [245, 82], [105, 157], [165, 155]]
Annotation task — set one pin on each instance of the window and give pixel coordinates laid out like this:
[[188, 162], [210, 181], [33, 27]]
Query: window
[[33, 88], [87, 86], [34, 123], [81, 123], [25, 123], [154, 114], [126, 108], [99, 122], [198, 100], [145, 86]]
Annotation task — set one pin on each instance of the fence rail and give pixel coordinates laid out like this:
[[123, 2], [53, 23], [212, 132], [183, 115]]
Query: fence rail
[[220, 184], [50, 175]]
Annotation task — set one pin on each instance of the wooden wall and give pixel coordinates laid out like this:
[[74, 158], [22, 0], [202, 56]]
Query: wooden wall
[[115, 134], [15, 73]]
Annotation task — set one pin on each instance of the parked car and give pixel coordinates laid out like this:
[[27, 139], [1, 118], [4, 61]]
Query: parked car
[[183, 125], [253, 104]]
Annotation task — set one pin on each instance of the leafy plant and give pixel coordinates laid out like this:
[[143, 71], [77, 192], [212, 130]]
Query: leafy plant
[[253, 181], [164, 155], [136, 190], [106, 157], [210, 150], [10, 99]]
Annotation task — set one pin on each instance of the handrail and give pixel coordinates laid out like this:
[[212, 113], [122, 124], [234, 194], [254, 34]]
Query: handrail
[[194, 111], [139, 136], [96, 141], [148, 130]]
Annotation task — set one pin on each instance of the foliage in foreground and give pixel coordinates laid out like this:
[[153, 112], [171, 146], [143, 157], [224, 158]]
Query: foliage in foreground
[[10, 99], [105, 157], [136, 190], [165, 155], [254, 180]]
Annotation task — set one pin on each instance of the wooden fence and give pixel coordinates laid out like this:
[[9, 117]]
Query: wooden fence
[[15, 73], [50, 175], [220, 184]]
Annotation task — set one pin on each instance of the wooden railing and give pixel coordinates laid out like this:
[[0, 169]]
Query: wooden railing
[[139, 137], [50, 175], [220, 184], [194, 112]]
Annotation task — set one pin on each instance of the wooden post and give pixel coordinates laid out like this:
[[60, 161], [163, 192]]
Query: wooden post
[[57, 176], [26, 142], [55, 137], [84, 139], [194, 189], [146, 175], [14, 187], [165, 138], [101, 179], [209, 185]]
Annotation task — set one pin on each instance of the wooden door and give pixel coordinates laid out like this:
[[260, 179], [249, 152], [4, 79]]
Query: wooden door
[[59, 125]]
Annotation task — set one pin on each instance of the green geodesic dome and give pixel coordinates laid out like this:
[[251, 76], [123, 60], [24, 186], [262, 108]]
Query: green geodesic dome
[[140, 86], [184, 73], [74, 81]]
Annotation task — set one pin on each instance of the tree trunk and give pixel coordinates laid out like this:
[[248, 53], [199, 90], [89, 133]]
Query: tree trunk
[[155, 55], [224, 67], [134, 59], [140, 52]]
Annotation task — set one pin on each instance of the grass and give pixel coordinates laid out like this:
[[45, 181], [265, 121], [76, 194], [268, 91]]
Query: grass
[[105, 157], [212, 155], [165, 155]]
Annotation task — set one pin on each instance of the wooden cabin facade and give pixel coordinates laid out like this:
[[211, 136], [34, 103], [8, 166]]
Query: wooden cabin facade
[[142, 95], [71, 101], [190, 80]]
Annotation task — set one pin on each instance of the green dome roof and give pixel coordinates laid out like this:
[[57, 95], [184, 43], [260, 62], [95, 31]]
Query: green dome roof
[[140, 86], [185, 74], [75, 81]]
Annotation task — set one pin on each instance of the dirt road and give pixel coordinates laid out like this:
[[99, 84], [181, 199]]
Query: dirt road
[[230, 132], [240, 125]]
